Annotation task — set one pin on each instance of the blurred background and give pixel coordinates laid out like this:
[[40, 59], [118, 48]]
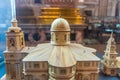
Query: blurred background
[[5, 22]]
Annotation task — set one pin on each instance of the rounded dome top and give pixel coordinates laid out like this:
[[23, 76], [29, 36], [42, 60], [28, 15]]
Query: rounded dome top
[[60, 24]]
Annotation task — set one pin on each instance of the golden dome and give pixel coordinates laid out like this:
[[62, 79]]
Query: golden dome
[[60, 24]]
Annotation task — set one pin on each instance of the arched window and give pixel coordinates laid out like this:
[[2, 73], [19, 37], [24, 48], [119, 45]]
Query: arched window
[[63, 71], [68, 37], [12, 42], [52, 36], [65, 37], [22, 41], [56, 37]]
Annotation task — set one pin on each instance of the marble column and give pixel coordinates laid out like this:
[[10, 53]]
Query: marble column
[[79, 36], [111, 8], [118, 9], [103, 8]]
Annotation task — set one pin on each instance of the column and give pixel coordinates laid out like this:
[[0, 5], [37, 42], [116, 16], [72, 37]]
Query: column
[[111, 9], [79, 36], [103, 8], [118, 8]]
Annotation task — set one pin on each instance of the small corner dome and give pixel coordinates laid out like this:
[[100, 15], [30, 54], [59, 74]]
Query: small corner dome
[[60, 24]]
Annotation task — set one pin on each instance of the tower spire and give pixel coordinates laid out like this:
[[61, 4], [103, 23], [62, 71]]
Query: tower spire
[[14, 20], [13, 9], [111, 35]]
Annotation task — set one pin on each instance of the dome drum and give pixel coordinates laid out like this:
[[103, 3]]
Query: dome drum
[[60, 38]]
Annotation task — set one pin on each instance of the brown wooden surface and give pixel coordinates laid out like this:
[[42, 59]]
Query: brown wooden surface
[[101, 47]]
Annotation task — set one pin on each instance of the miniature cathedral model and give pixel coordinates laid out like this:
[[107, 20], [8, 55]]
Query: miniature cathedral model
[[58, 60], [109, 63]]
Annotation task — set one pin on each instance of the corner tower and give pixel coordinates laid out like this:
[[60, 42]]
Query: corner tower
[[109, 63], [14, 46], [15, 37], [60, 32], [13, 54]]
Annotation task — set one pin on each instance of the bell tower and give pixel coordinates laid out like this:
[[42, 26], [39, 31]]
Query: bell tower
[[15, 37], [109, 63], [14, 45]]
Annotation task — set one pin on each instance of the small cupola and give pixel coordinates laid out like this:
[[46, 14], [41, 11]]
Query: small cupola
[[60, 32], [14, 27]]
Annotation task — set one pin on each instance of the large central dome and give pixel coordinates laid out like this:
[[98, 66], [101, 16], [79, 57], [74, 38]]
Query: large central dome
[[60, 24]]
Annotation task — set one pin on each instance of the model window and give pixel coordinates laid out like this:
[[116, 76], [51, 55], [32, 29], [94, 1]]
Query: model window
[[12, 31], [112, 71], [11, 55], [21, 41], [68, 37], [65, 37], [70, 70], [92, 63], [38, 1], [113, 57], [80, 64], [36, 66], [105, 61], [43, 65], [56, 37], [52, 36], [96, 63], [29, 65], [12, 42], [63, 71], [87, 64]]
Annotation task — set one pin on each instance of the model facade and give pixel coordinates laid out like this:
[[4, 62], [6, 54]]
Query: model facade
[[58, 60]]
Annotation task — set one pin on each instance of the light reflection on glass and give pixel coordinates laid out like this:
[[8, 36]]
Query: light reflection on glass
[[13, 9]]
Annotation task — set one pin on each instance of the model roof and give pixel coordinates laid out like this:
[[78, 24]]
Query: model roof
[[61, 55]]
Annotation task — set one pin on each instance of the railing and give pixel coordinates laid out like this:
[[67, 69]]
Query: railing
[[58, 1], [108, 19]]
